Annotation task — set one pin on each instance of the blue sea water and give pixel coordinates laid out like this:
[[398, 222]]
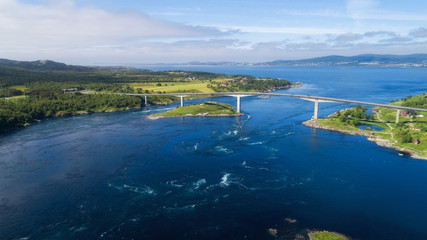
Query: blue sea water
[[122, 176]]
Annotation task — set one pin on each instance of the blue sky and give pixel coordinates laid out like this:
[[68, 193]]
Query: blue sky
[[152, 31]]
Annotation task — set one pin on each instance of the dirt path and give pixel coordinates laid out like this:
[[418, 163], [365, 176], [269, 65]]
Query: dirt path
[[390, 130]]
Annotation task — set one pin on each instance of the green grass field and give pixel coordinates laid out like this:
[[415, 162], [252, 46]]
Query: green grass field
[[18, 87], [326, 236], [414, 126], [173, 87], [15, 98]]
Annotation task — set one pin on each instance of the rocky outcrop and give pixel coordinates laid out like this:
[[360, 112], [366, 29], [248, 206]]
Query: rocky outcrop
[[371, 137]]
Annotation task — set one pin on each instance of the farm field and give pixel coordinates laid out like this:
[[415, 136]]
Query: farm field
[[170, 87]]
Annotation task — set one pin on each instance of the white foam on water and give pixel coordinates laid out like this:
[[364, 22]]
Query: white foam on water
[[176, 208], [244, 138], [141, 190], [199, 183], [273, 149], [244, 163], [156, 110], [241, 185], [174, 184], [196, 146], [223, 149], [256, 143], [224, 180], [80, 229], [191, 206]]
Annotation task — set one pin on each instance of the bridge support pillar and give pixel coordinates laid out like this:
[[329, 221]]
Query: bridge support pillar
[[316, 109], [397, 116], [146, 100], [182, 101], [238, 104]]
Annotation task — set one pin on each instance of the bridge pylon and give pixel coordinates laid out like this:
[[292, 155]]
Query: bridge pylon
[[397, 116], [182, 99], [316, 110], [238, 101]]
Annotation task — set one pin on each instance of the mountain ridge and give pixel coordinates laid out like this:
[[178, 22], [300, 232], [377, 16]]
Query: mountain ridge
[[385, 60], [373, 60]]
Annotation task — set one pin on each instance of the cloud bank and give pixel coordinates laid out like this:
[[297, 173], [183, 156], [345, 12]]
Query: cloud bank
[[64, 31]]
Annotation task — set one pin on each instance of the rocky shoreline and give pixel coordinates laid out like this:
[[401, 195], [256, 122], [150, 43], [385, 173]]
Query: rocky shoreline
[[63, 115], [152, 117], [377, 139]]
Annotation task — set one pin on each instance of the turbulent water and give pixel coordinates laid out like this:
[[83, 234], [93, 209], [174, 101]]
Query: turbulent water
[[122, 176]]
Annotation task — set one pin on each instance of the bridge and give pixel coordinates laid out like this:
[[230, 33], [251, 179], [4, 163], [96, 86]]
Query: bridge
[[315, 99]]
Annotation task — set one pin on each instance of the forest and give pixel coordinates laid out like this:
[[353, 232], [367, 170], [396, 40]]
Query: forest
[[31, 91]]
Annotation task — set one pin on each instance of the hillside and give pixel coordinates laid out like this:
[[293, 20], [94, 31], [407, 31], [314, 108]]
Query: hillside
[[373, 60], [414, 60], [42, 65], [31, 91]]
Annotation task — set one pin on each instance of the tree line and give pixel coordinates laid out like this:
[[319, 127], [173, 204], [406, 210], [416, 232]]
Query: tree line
[[19, 112]]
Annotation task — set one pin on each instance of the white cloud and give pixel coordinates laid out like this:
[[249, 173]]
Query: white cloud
[[63, 31], [61, 23], [349, 37], [419, 32], [285, 30]]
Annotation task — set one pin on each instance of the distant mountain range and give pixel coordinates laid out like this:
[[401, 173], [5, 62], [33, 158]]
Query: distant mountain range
[[413, 60], [373, 60], [48, 65], [41, 65]]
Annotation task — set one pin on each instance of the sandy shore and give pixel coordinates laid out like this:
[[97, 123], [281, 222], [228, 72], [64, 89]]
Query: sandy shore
[[377, 139]]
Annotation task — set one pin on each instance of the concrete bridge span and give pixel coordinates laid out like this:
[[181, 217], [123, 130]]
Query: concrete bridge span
[[315, 99]]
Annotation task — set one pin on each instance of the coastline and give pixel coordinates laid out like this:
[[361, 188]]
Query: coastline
[[377, 139], [151, 117], [64, 115], [79, 113]]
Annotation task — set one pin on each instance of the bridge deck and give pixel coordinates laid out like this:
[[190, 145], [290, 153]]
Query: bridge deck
[[304, 97]]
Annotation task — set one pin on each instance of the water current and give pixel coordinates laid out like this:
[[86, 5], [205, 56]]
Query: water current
[[122, 176]]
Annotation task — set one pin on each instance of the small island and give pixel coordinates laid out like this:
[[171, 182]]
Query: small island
[[409, 135], [325, 235], [205, 109]]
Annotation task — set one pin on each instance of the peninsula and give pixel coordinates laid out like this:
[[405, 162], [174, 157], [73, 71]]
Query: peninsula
[[409, 135], [205, 109], [33, 91]]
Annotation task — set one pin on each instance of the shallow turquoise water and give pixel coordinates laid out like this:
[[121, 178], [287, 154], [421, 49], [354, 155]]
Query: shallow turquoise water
[[121, 176]]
